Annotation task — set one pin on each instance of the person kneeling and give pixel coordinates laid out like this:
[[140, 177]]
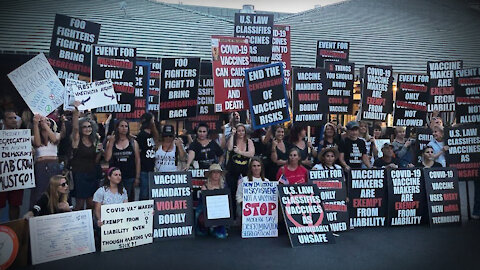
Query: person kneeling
[[54, 200]]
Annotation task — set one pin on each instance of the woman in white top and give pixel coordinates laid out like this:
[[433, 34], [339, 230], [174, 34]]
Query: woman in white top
[[255, 173], [112, 192], [327, 156], [45, 140], [166, 155]]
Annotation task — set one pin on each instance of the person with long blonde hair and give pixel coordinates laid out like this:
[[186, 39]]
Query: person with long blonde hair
[[54, 200]]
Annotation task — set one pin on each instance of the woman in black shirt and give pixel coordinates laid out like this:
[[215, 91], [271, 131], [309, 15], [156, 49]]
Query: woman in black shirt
[[54, 200]]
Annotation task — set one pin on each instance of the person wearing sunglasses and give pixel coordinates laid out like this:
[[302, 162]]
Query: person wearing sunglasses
[[54, 200], [170, 151], [87, 151]]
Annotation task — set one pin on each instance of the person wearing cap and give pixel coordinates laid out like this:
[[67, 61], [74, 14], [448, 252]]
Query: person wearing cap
[[387, 160], [147, 138], [327, 156], [215, 180], [170, 150], [353, 151]]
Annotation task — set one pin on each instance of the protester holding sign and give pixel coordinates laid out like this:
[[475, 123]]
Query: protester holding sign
[[428, 159], [298, 139], [146, 139], [87, 150], [123, 152], [215, 180], [438, 146], [54, 200], [14, 197], [204, 150], [45, 140], [256, 173], [402, 147], [328, 156], [170, 150], [112, 192], [352, 149], [293, 172]]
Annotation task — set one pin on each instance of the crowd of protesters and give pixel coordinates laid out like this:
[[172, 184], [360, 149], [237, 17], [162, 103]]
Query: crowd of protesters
[[101, 163]]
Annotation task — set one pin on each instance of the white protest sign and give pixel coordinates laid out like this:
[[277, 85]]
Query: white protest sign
[[59, 236], [127, 225], [38, 85], [379, 144], [94, 95], [16, 160], [69, 98], [260, 209], [218, 207]]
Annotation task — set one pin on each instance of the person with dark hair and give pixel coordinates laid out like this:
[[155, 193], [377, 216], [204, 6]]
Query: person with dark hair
[[327, 156], [388, 159], [45, 140], [298, 139], [256, 173], [54, 200], [169, 152], [352, 149], [330, 137], [377, 132], [14, 197], [112, 192], [428, 159], [293, 172], [278, 150], [204, 150], [147, 139], [87, 151], [122, 151]]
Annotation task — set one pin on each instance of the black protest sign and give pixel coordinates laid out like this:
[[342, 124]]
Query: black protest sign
[[304, 215], [463, 150], [218, 210], [179, 87], [141, 89], [406, 197], [206, 102], [258, 28], [368, 194], [267, 95], [340, 78], [441, 186], [423, 137], [441, 86], [377, 94], [309, 102], [119, 65], [199, 179], [172, 195], [467, 95], [153, 97], [71, 46], [332, 51], [333, 194], [411, 100]]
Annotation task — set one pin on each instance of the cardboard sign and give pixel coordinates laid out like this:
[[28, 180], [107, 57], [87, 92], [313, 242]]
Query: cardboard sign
[[441, 88], [333, 194], [179, 87], [94, 95], [332, 51], [258, 28], [281, 52], [304, 215], [406, 197], [16, 160], [59, 236], [198, 180], [464, 150], [260, 209], [411, 100], [218, 209], [441, 185], [467, 95], [340, 78], [309, 100], [267, 95], [368, 198], [153, 97], [71, 46], [377, 93], [206, 102], [118, 64], [172, 193], [127, 225], [230, 58], [38, 85], [69, 97]]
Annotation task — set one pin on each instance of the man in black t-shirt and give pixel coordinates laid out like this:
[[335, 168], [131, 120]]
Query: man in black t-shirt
[[387, 160], [353, 151], [146, 142]]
